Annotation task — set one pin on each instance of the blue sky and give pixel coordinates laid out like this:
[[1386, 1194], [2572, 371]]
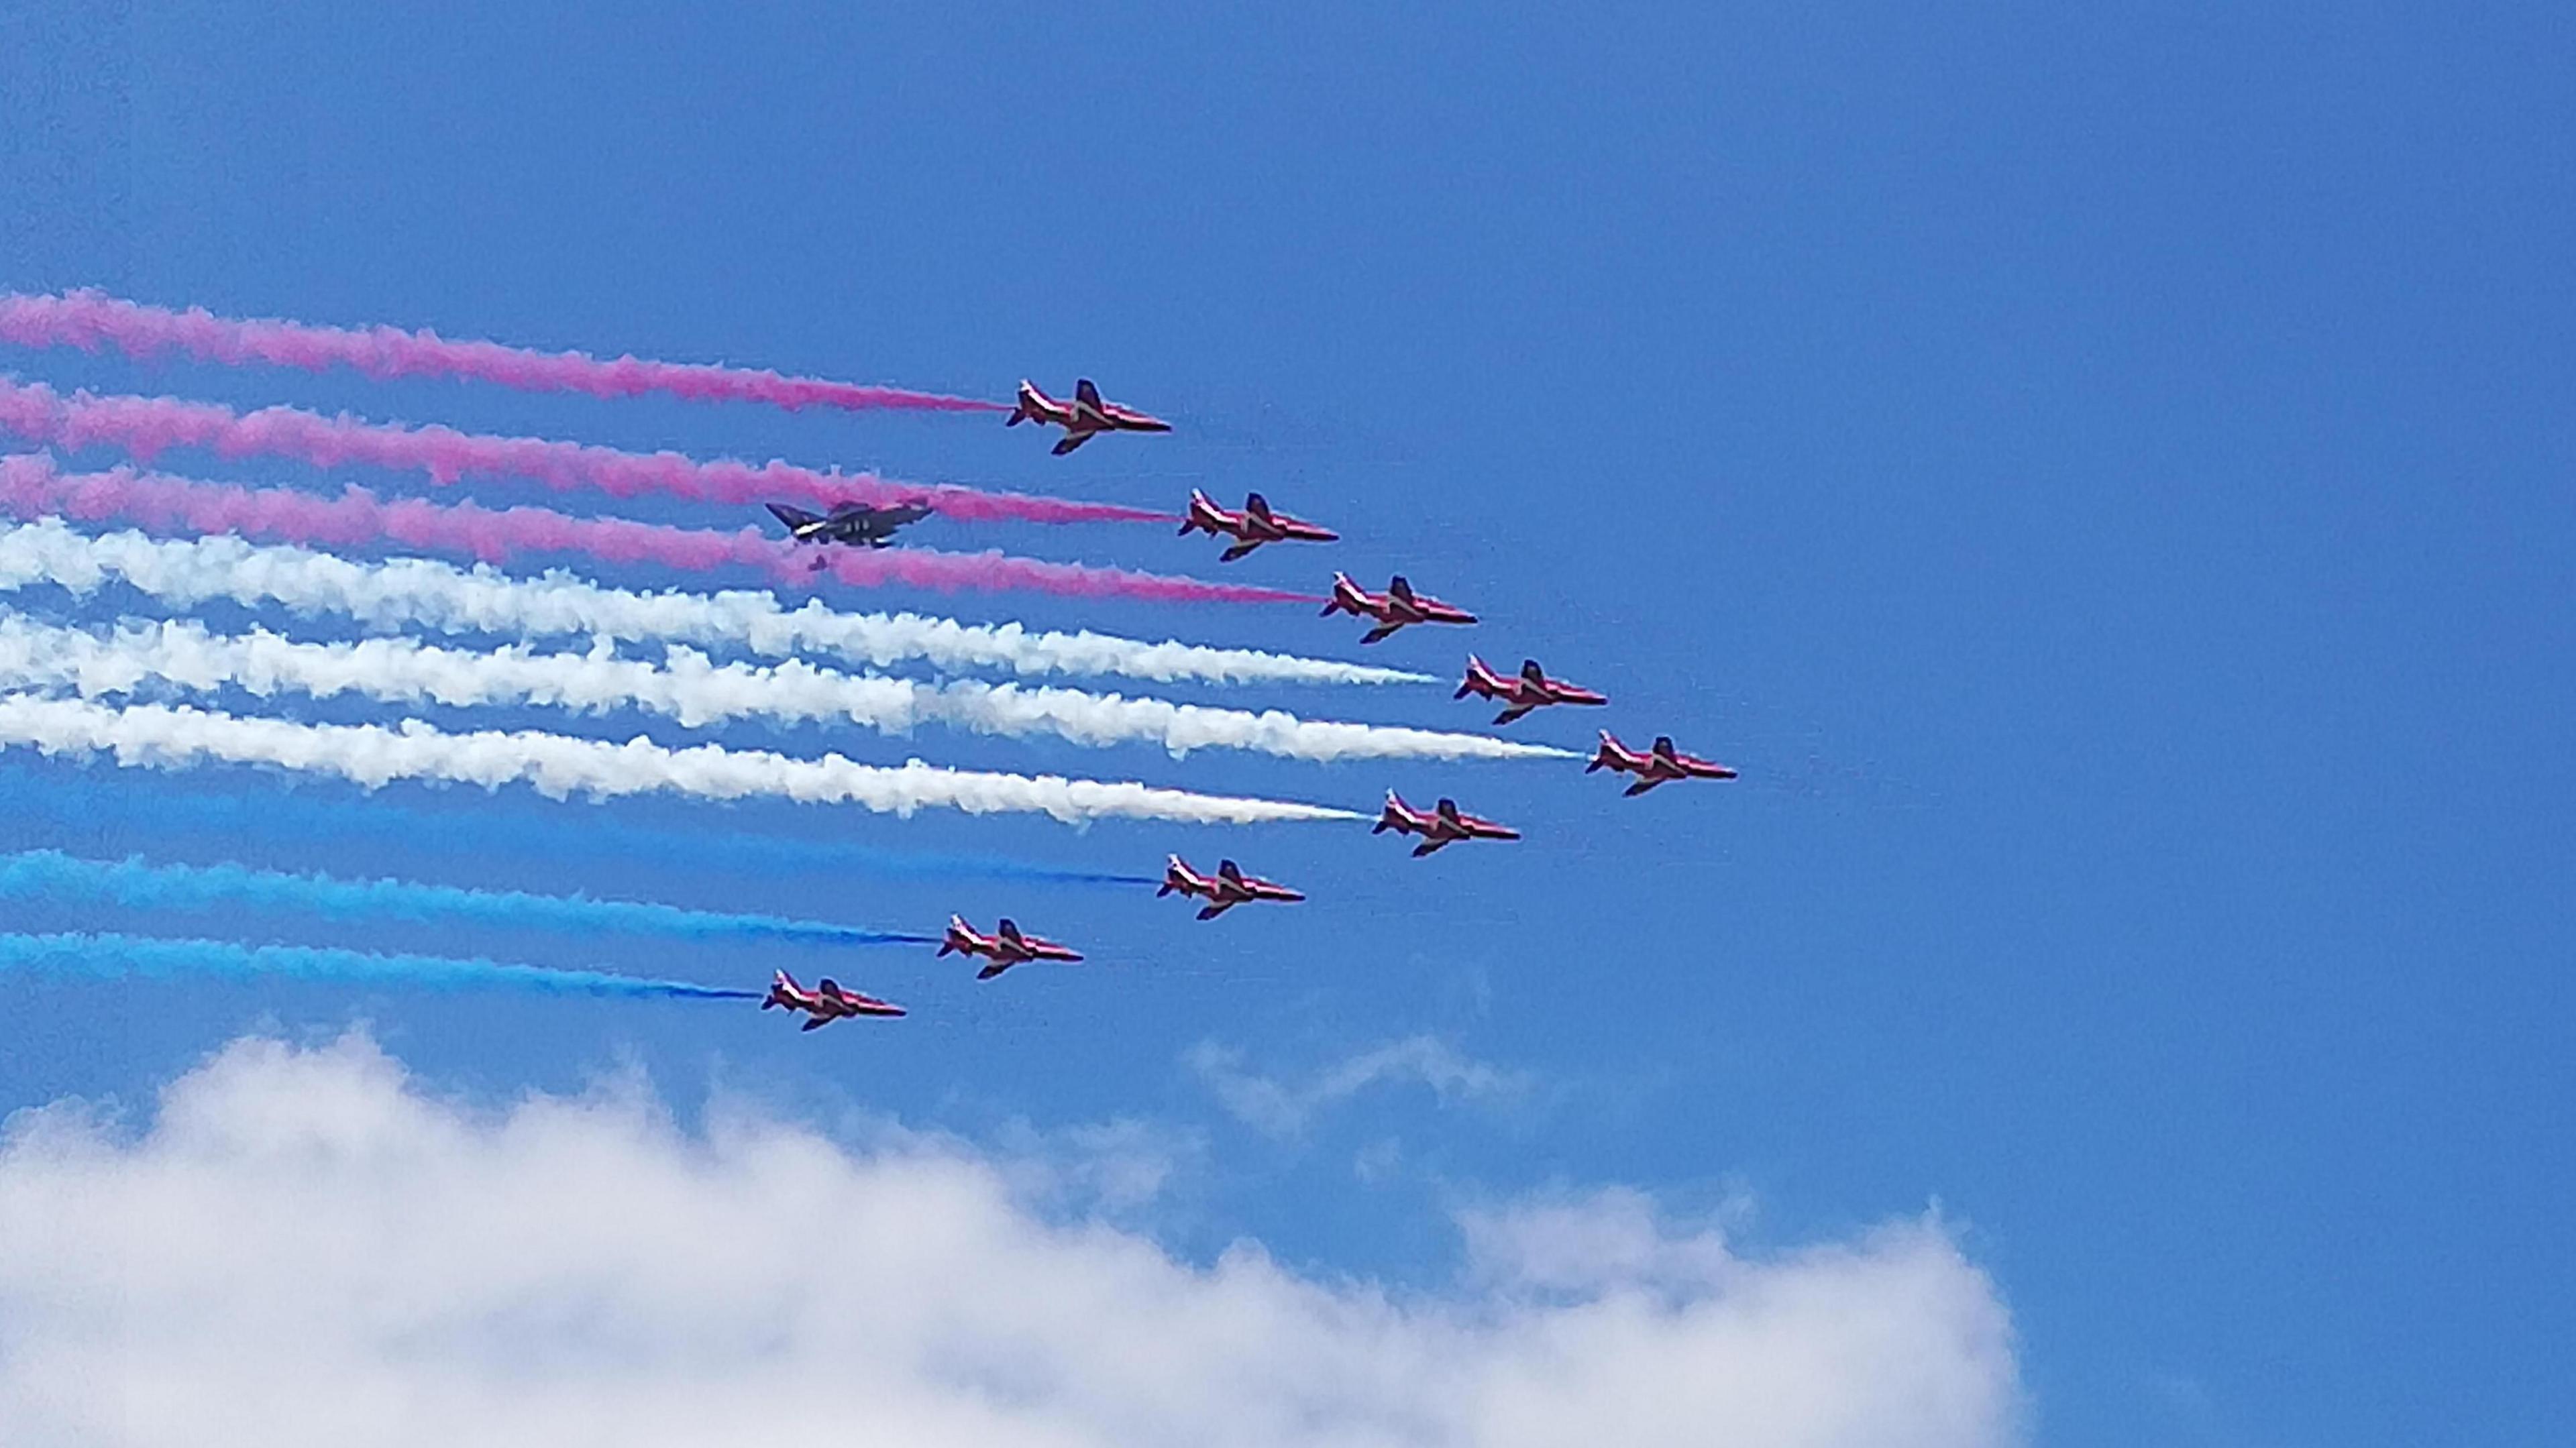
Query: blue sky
[[2102, 476]]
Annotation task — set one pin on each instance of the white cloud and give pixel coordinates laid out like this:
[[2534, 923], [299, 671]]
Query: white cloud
[[1108, 1168], [305, 1247], [1284, 1108], [1611, 1238]]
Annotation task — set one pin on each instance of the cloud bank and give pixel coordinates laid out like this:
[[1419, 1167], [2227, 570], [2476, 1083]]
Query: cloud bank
[[306, 1247]]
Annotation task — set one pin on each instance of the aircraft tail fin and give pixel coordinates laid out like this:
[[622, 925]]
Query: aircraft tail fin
[[1475, 670], [1607, 756]]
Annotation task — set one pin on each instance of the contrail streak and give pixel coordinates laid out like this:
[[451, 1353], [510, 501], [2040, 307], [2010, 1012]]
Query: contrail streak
[[30, 485], [688, 687], [117, 957], [73, 805], [89, 319], [558, 765], [146, 427], [425, 593], [133, 882]]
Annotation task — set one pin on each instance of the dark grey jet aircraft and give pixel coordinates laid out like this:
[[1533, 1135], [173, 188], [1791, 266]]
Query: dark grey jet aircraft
[[857, 524]]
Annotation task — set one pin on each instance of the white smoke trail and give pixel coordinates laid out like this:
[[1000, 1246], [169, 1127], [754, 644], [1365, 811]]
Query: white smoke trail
[[425, 593], [689, 688], [557, 765]]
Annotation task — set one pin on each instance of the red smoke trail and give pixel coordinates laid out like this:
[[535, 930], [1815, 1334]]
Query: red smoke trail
[[30, 485], [87, 319], [145, 426]]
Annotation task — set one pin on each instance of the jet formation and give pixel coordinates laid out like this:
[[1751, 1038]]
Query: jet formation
[[1661, 764], [1530, 689], [1082, 419], [1396, 608], [1249, 528], [1444, 825], [1004, 948], [857, 525], [1223, 891], [827, 1002]]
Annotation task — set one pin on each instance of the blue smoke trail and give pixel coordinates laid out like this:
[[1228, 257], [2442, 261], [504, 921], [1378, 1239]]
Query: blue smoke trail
[[116, 957], [81, 803], [39, 873]]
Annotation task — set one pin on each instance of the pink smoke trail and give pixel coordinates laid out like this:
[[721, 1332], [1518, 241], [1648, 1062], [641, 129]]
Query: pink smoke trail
[[87, 319], [146, 426], [31, 485]]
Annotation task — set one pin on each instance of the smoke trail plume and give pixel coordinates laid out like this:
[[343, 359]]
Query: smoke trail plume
[[145, 427], [45, 874], [30, 485], [71, 804], [117, 957], [88, 320], [558, 765], [688, 688], [427, 594]]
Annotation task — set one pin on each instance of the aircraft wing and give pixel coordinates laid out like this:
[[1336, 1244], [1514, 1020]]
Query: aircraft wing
[[1072, 440]]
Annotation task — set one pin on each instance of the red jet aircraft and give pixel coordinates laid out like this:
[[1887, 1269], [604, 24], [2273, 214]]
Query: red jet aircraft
[[1005, 947], [1656, 765], [1080, 418], [827, 1002], [1442, 826], [1524, 691], [1230, 887], [1252, 527], [1393, 609]]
